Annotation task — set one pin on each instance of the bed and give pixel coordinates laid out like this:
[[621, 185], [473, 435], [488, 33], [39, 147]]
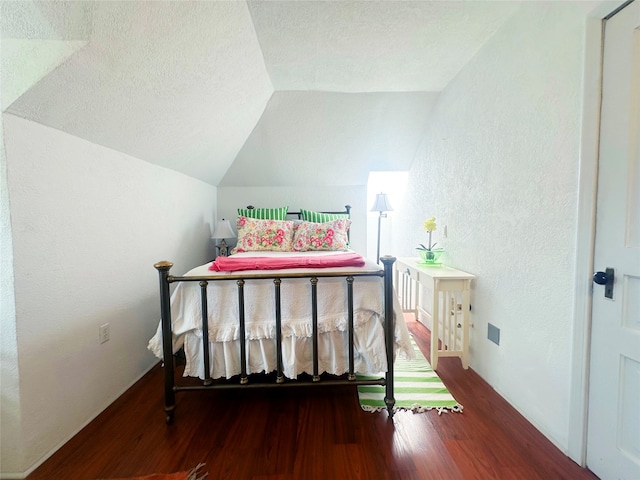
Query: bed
[[281, 313]]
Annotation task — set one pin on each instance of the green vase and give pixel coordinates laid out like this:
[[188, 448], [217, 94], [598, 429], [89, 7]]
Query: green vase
[[430, 257]]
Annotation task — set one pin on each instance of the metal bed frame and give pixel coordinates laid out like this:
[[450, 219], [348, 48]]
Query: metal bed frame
[[171, 387]]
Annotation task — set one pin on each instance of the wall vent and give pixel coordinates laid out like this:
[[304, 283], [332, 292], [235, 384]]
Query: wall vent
[[493, 334]]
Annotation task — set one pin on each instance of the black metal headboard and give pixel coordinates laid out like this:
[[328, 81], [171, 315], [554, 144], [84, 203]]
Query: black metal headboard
[[347, 211]]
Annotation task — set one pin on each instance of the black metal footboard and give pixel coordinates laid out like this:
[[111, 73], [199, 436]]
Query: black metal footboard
[[170, 386]]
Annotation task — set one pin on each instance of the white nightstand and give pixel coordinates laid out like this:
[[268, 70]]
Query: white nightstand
[[443, 295]]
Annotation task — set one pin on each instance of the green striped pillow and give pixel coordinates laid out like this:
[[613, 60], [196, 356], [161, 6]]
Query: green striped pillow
[[264, 213], [319, 217]]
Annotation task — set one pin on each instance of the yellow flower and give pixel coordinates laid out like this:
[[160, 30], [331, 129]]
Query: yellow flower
[[430, 224]]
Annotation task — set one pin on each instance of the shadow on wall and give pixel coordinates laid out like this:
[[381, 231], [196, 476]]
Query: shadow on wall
[[196, 248]]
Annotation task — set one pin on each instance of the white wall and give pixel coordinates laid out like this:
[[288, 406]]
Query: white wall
[[9, 377], [88, 224], [499, 167], [308, 197], [328, 138]]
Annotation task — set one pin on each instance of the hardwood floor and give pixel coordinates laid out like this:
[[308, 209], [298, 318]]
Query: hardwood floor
[[311, 433]]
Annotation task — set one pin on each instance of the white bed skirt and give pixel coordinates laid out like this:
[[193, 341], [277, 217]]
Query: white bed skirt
[[296, 352]]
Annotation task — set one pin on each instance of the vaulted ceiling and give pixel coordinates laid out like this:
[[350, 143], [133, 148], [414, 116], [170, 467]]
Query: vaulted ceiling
[[241, 92]]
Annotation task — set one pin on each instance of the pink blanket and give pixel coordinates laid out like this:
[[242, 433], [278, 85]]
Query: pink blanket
[[233, 264]]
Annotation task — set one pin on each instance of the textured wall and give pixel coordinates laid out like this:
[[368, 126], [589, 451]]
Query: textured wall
[[183, 83], [328, 138], [499, 167], [37, 37], [10, 434], [179, 84], [88, 225]]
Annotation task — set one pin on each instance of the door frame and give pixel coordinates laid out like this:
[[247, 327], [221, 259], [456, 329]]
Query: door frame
[[585, 236]]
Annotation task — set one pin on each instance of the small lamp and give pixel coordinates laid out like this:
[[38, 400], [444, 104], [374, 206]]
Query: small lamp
[[223, 230], [381, 205]]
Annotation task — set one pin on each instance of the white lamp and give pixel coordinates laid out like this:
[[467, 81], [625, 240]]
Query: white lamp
[[381, 205], [223, 230]]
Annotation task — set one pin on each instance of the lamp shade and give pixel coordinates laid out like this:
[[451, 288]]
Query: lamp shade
[[382, 203], [223, 230]]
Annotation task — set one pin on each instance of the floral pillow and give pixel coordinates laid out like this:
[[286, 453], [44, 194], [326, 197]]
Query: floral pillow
[[322, 236], [255, 235]]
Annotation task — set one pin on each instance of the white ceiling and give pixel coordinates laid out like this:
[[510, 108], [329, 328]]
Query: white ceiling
[[184, 84], [372, 46]]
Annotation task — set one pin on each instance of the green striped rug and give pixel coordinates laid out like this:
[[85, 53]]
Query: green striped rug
[[417, 388]]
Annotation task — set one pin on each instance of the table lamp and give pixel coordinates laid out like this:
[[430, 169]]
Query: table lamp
[[223, 230], [381, 205]]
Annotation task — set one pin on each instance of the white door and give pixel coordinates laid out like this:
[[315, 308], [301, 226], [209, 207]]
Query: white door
[[613, 429]]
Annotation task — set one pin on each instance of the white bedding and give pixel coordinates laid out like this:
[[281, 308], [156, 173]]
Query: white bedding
[[370, 353]]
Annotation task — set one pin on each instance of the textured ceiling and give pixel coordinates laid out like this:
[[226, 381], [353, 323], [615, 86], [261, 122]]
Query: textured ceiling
[[185, 84], [177, 84], [372, 46]]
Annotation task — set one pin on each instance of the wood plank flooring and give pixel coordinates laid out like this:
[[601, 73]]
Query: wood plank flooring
[[311, 433]]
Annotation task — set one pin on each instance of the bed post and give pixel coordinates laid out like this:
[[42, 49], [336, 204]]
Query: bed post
[[167, 339], [389, 330]]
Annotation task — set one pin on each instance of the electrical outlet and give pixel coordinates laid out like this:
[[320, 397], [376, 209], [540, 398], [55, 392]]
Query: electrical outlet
[[103, 333]]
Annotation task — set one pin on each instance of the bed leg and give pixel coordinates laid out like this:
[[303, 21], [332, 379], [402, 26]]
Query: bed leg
[[205, 333], [169, 411], [277, 282], [244, 379], [167, 339], [351, 376], [389, 330], [314, 324]]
